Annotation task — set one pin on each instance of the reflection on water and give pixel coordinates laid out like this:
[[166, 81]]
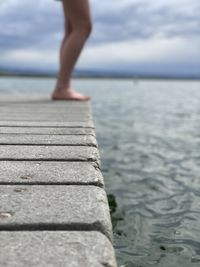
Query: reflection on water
[[149, 138]]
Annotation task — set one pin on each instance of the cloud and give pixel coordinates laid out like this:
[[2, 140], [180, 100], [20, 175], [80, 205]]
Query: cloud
[[127, 33], [26, 24], [157, 50], [144, 19]]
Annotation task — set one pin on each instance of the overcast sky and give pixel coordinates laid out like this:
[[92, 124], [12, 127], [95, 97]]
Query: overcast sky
[[134, 35]]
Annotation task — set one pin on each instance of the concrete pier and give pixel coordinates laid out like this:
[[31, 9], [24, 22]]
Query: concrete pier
[[53, 206]]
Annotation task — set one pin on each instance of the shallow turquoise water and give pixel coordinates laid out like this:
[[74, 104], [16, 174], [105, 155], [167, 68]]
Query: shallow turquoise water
[[149, 137]]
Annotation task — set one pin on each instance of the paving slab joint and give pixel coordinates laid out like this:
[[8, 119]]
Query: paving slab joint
[[99, 226], [96, 226]]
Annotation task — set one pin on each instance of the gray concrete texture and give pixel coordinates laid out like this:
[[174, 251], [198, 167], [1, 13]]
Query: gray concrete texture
[[61, 207], [80, 124], [48, 109], [62, 153], [84, 111], [55, 249], [46, 114], [54, 172], [59, 106], [37, 99], [19, 97], [76, 140], [46, 130], [40, 118], [45, 117], [53, 206]]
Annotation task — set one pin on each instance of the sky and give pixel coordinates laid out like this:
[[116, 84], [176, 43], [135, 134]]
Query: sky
[[149, 36]]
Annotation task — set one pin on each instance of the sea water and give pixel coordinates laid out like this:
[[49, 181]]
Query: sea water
[[148, 133]]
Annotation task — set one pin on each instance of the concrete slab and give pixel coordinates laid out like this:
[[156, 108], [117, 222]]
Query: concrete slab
[[39, 104], [47, 124], [42, 99], [58, 207], [76, 140], [44, 111], [65, 110], [13, 114], [18, 97], [45, 130], [54, 172], [53, 206], [60, 248], [60, 105], [61, 153], [44, 102], [46, 105], [40, 118]]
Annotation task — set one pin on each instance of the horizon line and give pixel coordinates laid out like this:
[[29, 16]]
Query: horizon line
[[101, 76]]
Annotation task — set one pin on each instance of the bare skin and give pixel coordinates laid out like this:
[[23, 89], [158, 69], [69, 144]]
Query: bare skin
[[78, 27]]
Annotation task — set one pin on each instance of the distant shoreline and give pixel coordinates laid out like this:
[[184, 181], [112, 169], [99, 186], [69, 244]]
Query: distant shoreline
[[24, 75]]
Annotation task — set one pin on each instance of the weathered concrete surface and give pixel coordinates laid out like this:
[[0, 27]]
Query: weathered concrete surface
[[46, 105], [63, 153], [43, 103], [18, 97], [65, 112], [45, 119], [37, 99], [45, 111], [45, 130], [77, 140], [45, 172], [41, 117], [53, 206], [44, 207], [60, 248], [47, 124]]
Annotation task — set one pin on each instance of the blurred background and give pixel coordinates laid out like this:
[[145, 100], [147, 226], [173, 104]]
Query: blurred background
[[137, 37], [141, 66]]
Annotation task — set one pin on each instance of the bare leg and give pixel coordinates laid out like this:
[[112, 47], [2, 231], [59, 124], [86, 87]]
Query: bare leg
[[68, 30], [77, 13]]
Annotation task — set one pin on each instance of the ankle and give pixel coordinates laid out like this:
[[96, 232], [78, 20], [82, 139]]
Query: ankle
[[63, 89], [62, 86]]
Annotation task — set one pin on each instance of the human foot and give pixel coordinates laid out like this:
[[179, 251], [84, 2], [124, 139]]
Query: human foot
[[68, 95]]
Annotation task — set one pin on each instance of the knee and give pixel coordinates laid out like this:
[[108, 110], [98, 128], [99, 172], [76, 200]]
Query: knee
[[84, 28], [88, 28]]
